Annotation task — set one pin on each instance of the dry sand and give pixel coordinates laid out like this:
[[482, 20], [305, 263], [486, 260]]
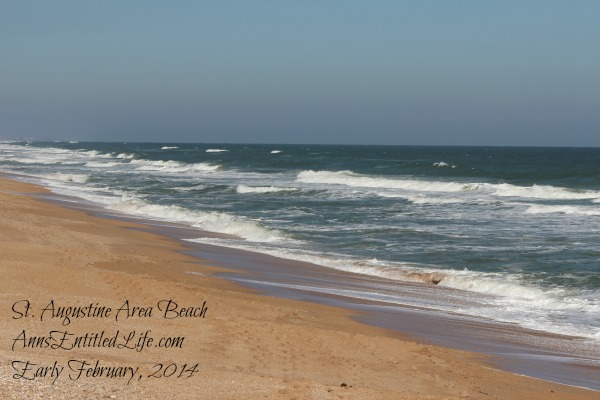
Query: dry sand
[[246, 346]]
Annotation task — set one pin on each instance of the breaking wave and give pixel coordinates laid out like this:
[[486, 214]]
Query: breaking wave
[[242, 189], [59, 176], [95, 164], [217, 222], [442, 164], [171, 166], [504, 295], [352, 179], [544, 192], [563, 209], [349, 178]]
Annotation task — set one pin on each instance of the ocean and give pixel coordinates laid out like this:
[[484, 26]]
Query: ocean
[[514, 232]]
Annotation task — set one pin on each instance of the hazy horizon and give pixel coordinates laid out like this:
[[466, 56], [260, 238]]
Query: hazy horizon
[[428, 72], [9, 140]]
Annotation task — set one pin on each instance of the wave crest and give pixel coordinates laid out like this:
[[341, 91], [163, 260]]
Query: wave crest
[[212, 221], [171, 166], [59, 176], [352, 179], [544, 192], [243, 189]]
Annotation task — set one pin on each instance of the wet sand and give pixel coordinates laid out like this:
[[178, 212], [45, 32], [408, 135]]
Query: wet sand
[[558, 358], [243, 345]]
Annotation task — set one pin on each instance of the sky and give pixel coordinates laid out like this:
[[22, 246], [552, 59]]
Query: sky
[[424, 72]]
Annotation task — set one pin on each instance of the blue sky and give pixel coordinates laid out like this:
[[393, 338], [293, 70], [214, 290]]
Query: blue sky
[[451, 72]]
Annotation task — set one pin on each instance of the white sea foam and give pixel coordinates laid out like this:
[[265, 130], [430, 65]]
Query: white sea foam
[[125, 155], [215, 150], [242, 189], [94, 153], [38, 160], [275, 151], [505, 298], [443, 164], [494, 284], [349, 178], [95, 164], [38, 156], [190, 188], [421, 199], [352, 179], [171, 166], [563, 209], [169, 147], [59, 176], [543, 192], [44, 156], [218, 222]]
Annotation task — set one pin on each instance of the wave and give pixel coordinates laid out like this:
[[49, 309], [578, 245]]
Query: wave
[[51, 155], [544, 192], [93, 154], [242, 189], [171, 166], [563, 209], [349, 178], [95, 164], [212, 221], [38, 160], [443, 164], [421, 199], [190, 188], [169, 147], [59, 176], [275, 151], [504, 298], [352, 179], [215, 150]]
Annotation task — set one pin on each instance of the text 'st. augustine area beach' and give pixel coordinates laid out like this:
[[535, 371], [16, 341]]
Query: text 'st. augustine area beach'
[[472, 234]]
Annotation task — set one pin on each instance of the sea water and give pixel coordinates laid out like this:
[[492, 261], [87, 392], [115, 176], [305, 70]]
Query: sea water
[[515, 230]]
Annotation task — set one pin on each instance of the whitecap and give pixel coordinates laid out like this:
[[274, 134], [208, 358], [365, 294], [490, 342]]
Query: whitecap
[[543, 192], [563, 209], [171, 166], [95, 164], [349, 178], [242, 189], [218, 222], [59, 176]]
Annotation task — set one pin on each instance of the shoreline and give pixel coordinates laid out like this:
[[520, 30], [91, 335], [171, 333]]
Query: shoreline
[[542, 355], [276, 347]]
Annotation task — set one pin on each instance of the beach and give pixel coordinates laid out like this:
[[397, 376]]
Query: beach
[[210, 337]]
